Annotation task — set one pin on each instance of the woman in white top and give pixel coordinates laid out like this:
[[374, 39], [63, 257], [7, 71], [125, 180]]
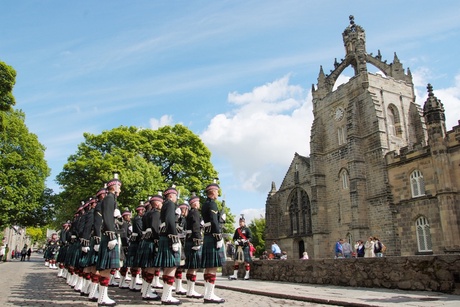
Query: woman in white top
[[369, 248]]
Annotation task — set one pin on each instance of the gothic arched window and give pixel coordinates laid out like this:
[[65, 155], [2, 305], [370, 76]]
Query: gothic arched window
[[417, 184], [344, 180], [394, 122], [300, 212], [423, 234]]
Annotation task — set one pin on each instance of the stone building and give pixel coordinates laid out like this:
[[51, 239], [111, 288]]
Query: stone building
[[379, 165]]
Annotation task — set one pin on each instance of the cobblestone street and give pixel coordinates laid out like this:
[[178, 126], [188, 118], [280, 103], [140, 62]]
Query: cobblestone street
[[33, 284]]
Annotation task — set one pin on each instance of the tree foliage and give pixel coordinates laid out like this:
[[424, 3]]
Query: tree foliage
[[23, 169], [148, 161], [23, 172], [257, 227], [7, 81], [37, 234]]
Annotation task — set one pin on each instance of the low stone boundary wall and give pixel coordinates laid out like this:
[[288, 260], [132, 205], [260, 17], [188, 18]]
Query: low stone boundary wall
[[438, 273]]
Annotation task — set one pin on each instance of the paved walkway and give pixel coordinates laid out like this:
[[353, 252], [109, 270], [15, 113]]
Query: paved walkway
[[33, 284]]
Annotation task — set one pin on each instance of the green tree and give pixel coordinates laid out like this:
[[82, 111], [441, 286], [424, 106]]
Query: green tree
[[148, 161], [257, 227], [23, 172], [37, 234], [7, 81]]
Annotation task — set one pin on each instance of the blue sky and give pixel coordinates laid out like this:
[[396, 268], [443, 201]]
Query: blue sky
[[237, 73]]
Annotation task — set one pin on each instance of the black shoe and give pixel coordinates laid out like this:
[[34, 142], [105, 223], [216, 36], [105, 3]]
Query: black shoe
[[195, 296], [135, 290], [170, 303], [208, 301], [157, 298]]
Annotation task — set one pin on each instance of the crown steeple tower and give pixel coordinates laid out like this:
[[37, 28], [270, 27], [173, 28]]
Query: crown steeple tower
[[354, 40]]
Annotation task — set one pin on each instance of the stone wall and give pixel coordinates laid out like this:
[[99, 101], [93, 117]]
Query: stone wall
[[438, 273]]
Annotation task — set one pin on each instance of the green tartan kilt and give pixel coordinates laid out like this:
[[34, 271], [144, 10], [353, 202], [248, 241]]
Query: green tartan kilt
[[166, 258], [84, 259], [73, 254], [132, 255], [211, 257], [146, 254], [49, 252], [62, 252], [192, 257], [108, 259], [93, 255], [90, 258]]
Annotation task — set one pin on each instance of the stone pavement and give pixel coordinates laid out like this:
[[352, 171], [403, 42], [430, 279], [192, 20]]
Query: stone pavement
[[23, 284]]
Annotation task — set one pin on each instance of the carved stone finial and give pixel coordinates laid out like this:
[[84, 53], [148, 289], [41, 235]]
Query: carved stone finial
[[352, 19], [429, 87]]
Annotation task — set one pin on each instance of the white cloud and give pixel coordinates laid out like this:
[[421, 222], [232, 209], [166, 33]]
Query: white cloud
[[165, 120], [449, 96], [260, 136]]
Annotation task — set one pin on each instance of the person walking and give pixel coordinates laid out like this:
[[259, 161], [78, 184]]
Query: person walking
[[5, 254], [213, 254], [24, 253]]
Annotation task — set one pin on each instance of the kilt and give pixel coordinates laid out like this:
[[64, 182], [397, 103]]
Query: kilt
[[132, 255], [93, 255], [166, 258], [73, 254], [61, 255], [242, 254], [146, 254], [108, 259], [90, 258], [211, 257], [85, 259], [47, 253], [50, 252], [192, 257]]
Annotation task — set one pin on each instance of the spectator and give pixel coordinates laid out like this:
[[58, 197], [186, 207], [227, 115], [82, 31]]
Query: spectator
[[304, 256], [2, 252], [5, 255], [252, 250], [369, 248], [338, 249], [284, 256], [360, 249], [230, 248], [276, 250], [24, 253], [264, 256], [378, 247], [347, 249]]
